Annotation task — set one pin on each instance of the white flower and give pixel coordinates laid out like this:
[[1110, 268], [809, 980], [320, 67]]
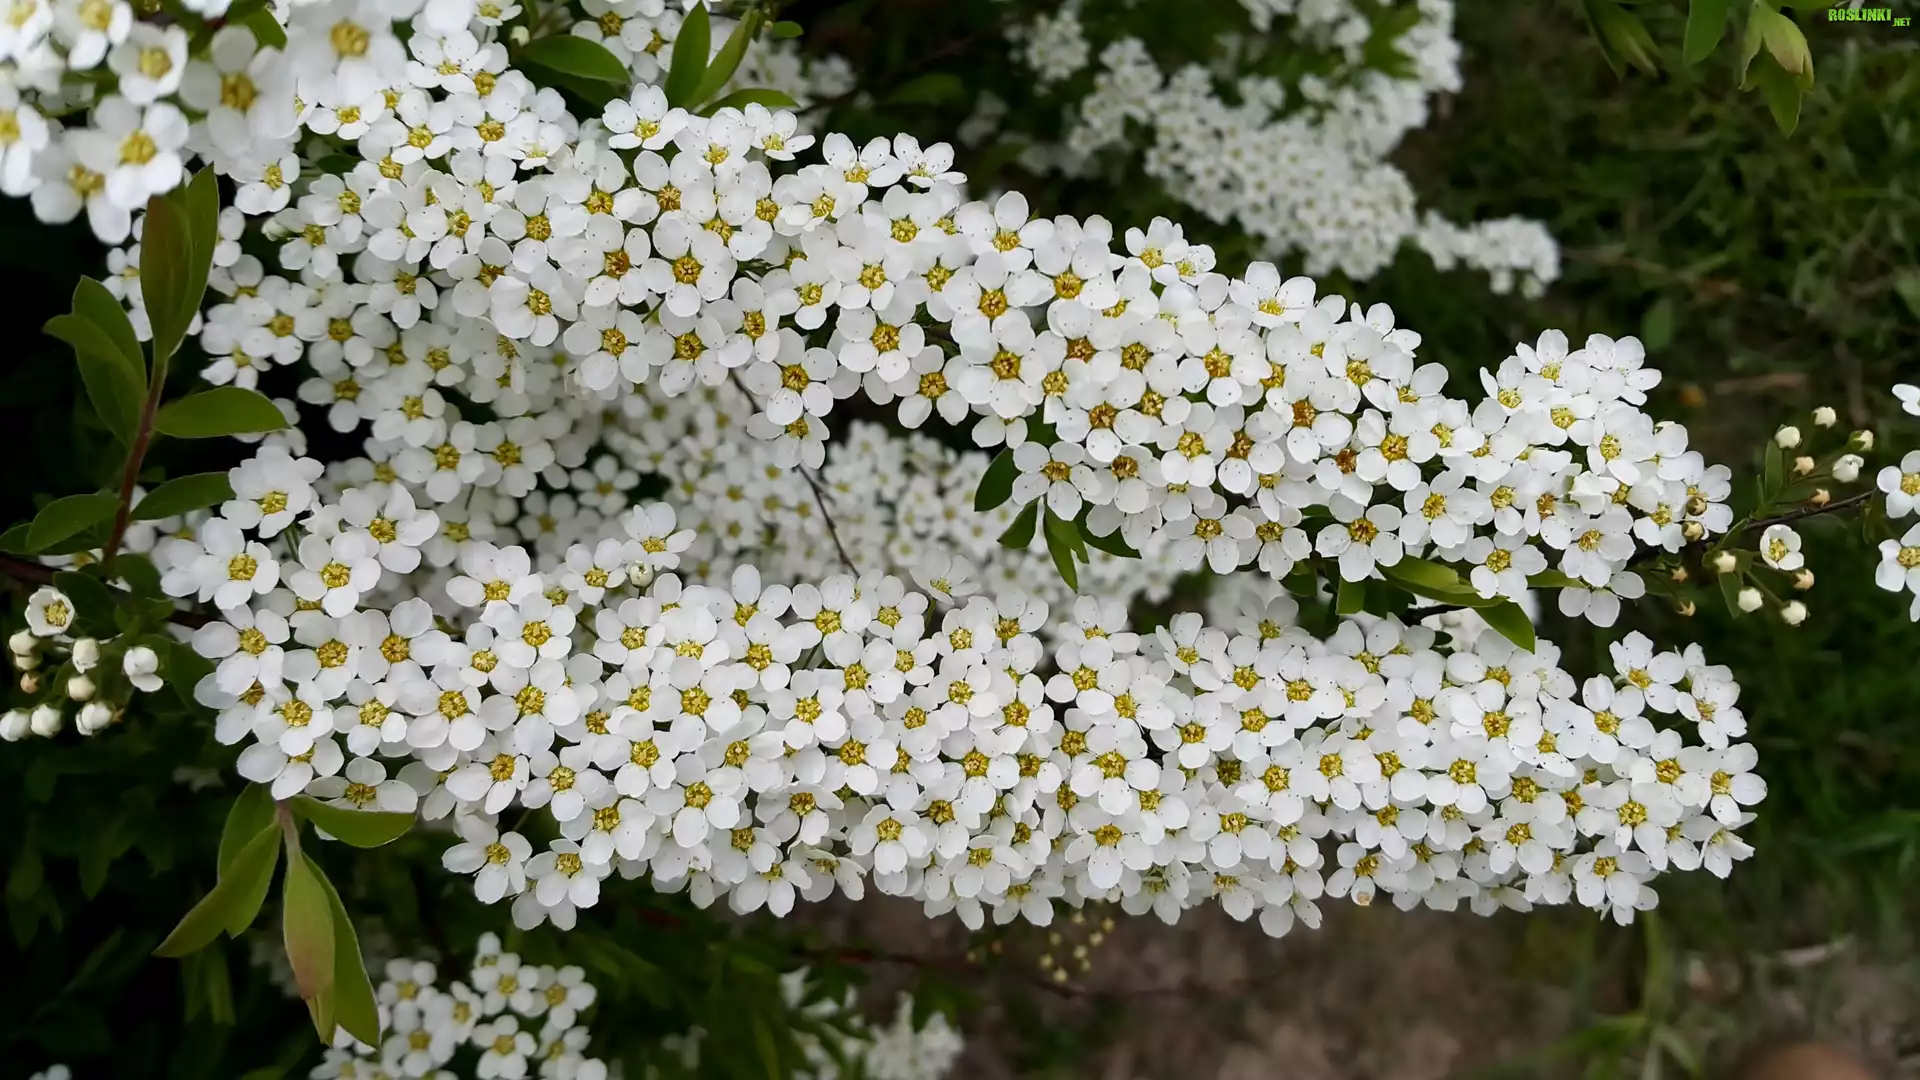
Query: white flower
[[1780, 548]]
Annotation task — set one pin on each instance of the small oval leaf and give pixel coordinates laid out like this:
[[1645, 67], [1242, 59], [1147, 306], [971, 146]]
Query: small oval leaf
[[184, 493], [252, 867], [224, 410], [578, 57], [360, 828]]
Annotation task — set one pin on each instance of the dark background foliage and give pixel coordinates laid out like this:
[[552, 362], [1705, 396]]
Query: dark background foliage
[[1767, 275]]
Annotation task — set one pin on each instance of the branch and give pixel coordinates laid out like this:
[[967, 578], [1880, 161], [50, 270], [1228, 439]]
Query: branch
[[137, 453], [28, 572], [1847, 503], [819, 496]]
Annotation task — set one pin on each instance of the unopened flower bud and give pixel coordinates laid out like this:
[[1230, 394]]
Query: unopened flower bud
[[1686, 608], [640, 575], [23, 643], [1862, 440], [1696, 505], [1793, 613], [518, 35], [29, 683], [1693, 531], [1787, 437], [1802, 465], [1679, 574], [1803, 580], [1725, 563], [94, 716], [81, 688], [1749, 599], [1846, 468], [140, 665], [1820, 497], [86, 653], [13, 725], [1824, 416], [45, 721]]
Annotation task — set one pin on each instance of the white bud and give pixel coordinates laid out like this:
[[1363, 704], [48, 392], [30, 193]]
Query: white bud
[[518, 35], [13, 725], [86, 653], [1862, 440], [140, 664], [1793, 613], [29, 683], [1749, 599], [1846, 468], [23, 643], [45, 721], [93, 717], [1824, 416], [1725, 563], [640, 574], [80, 688], [1802, 465], [1787, 437]]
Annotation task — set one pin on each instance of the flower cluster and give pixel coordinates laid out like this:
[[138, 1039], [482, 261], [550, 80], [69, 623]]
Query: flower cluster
[[82, 670], [1302, 168], [529, 321], [899, 1050], [508, 1019]]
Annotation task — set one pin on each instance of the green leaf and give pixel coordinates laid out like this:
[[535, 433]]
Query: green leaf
[[92, 600], [221, 907], [1656, 326], [1788, 47], [1425, 573], [1730, 591], [1020, 533], [166, 273], [1552, 579], [307, 925], [996, 486], [1352, 597], [92, 302], [252, 811], [785, 29], [65, 517], [1512, 622], [578, 57], [266, 29], [201, 199], [1435, 582], [690, 53], [115, 388], [361, 828], [354, 1007], [1113, 543], [727, 61], [1783, 96], [1773, 473], [1060, 544], [740, 99], [137, 571], [1706, 24], [184, 493], [223, 410], [1907, 284], [1622, 33], [933, 88]]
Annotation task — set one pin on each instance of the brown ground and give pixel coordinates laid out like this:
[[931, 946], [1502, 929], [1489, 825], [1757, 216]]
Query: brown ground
[[1375, 994]]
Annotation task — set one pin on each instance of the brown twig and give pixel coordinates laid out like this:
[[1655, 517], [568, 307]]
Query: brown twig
[[28, 572], [819, 496], [1847, 503]]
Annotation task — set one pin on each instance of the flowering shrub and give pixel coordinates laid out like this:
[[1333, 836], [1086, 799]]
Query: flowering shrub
[[530, 325]]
